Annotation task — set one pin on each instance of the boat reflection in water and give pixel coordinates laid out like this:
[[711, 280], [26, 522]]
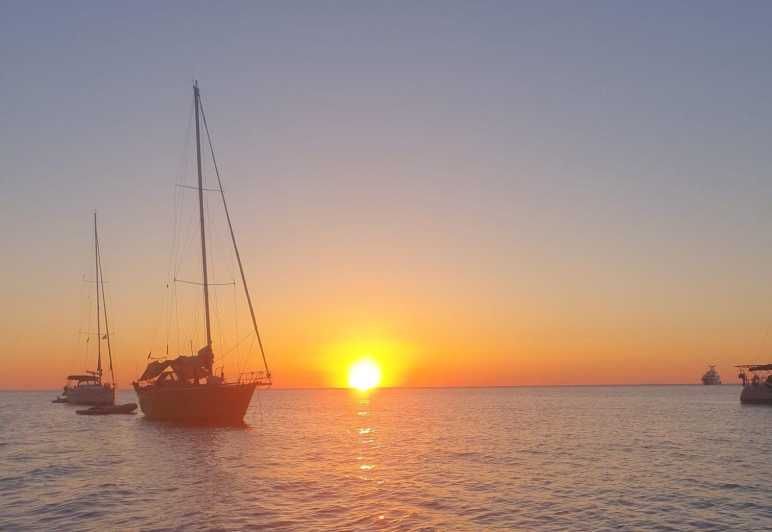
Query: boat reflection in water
[[757, 388], [186, 389]]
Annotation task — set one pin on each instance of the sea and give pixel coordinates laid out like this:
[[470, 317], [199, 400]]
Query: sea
[[542, 458]]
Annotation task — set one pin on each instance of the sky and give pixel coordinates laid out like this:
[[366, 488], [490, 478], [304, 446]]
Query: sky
[[470, 193]]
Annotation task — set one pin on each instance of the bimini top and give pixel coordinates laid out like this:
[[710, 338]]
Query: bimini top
[[81, 378], [184, 367], [756, 367]]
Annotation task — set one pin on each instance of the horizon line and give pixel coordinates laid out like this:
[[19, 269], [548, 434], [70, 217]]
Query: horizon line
[[446, 387]]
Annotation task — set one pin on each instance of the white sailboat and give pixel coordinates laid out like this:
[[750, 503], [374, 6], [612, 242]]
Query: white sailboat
[[88, 388]]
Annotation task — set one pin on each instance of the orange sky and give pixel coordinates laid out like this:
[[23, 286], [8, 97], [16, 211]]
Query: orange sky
[[425, 328]]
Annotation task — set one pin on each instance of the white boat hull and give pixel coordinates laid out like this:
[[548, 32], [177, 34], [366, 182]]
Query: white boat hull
[[757, 394], [90, 394]]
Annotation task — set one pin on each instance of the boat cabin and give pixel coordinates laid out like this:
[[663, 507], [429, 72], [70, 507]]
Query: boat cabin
[[89, 378], [757, 383]]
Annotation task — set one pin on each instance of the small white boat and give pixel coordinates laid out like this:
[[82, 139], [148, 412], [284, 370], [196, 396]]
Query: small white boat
[[757, 387], [88, 389]]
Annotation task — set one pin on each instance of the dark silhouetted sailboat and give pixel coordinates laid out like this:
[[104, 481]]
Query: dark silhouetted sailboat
[[185, 389]]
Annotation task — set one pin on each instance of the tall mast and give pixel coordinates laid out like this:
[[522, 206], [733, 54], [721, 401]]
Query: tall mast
[[96, 283], [196, 100]]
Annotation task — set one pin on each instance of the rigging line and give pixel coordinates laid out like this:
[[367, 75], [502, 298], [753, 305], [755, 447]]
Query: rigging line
[[251, 343], [104, 307], [187, 242], [176, 314], [239, 342], [84, 321], [202, 284], [88, 309], [196, 188], [239, 363], [233, 238], [183, 232], [211, 253], [235, 319], [96, 270], [214, 252], [181, 172], [92, 333], [167, 298]]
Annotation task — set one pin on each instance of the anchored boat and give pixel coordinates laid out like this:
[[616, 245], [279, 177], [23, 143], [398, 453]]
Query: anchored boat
[[88, 388], [104, 410], [186, 388], [757, 384], [711, 377]]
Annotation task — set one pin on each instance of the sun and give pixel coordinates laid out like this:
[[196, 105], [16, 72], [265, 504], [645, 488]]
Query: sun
[[364, 375]]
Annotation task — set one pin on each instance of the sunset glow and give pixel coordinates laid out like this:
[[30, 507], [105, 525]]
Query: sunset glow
[[631, 249], [364, 375]]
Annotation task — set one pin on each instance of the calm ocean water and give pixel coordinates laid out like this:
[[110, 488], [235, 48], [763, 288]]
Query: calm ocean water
[[583, 458]]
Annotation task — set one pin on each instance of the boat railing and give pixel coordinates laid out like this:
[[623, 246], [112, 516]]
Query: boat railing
[[257, 377]]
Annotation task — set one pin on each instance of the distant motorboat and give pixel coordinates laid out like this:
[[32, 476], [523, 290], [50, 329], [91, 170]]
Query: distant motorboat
[[711, 376], [87, 388], [757, 387]]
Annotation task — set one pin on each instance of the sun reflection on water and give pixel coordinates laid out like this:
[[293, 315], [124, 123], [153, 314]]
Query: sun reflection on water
[[365, 438]]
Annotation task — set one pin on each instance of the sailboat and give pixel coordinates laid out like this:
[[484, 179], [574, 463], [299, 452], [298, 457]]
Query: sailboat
[[186, 389], [87, 388]]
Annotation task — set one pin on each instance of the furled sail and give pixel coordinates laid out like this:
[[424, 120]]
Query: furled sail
[[185, 367], [154, 369]]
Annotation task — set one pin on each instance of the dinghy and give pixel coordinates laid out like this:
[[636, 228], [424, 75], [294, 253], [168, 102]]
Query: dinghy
[[103, 410]]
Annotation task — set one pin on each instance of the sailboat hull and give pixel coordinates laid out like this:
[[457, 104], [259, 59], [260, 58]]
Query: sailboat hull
[[210, 404]]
